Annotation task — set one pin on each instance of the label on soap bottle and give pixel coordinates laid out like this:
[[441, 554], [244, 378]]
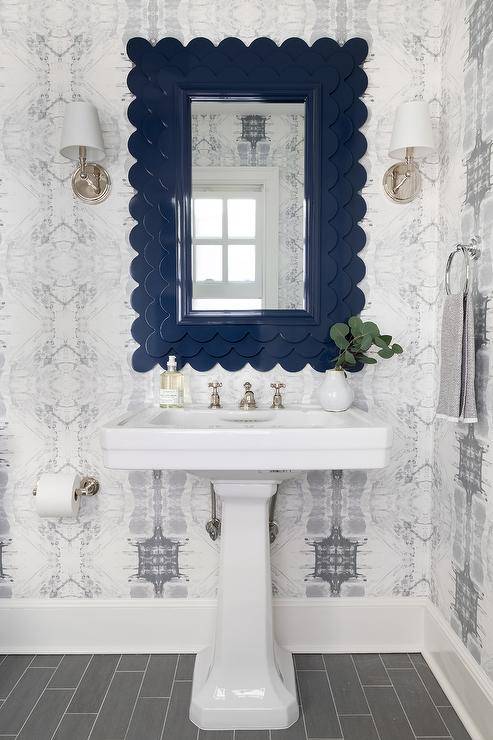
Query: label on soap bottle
[[169, 397]]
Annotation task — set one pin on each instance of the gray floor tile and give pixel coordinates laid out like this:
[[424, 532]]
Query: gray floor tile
[[69, 672], [252, 735], [420, 710], [117, 708], [47, 661], [75, 727], [346, 688], [388, 714], [178, 725], [295, 732], [95, 681], [359, 728], [20, 702], [11, 670], [318, 706], [46, 715], [454, 725], [308, 662], [133, 662], [371, 670], [159, 676], [215, 735], [429, 680], [184, 672], [148, 719], [396, 660]]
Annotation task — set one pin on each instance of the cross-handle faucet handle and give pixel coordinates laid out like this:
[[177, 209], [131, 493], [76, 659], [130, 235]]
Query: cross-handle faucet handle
[[215, 398], [277, 400]]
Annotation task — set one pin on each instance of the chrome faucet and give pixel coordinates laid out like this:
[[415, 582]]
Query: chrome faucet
[[248, 400]]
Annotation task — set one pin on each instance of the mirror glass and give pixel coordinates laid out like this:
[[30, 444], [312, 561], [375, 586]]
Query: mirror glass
[[248, 205]]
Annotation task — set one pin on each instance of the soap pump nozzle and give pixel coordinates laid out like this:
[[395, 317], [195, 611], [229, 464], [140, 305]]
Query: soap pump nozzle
[[171, 366]]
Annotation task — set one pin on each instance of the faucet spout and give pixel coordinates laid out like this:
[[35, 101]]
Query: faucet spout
[[248, 400]]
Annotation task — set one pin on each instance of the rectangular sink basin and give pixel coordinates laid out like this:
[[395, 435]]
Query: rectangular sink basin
[[298, 438]]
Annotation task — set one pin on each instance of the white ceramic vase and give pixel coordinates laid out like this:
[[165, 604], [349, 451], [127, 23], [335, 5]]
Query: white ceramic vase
[[335, 393]]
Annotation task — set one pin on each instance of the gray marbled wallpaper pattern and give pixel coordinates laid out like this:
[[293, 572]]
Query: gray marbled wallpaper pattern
[[462, 564], [65, 345]]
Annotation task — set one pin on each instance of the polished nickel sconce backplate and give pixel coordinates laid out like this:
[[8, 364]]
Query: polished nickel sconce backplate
[[402, 181], [90, 181]]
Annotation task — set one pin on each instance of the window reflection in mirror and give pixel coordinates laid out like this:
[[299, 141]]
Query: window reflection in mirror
[[248, 217]]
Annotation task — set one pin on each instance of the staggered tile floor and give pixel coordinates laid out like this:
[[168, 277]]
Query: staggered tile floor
[[146, 697]]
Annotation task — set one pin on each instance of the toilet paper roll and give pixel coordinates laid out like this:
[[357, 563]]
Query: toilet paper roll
[[55, 494]]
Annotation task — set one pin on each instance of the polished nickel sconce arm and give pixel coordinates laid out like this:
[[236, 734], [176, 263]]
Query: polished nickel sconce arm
[[90, 181]]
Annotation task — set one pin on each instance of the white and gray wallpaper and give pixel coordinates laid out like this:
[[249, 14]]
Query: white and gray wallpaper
[[462, 564], [65, 347]]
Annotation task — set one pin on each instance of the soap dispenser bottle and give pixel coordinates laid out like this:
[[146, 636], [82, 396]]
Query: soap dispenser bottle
[[171, 390]]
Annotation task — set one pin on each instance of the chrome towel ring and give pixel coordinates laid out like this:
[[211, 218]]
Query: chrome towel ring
[[469, 253]]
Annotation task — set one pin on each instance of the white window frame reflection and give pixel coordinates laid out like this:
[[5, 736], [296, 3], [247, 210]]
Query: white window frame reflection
[[262, 185]]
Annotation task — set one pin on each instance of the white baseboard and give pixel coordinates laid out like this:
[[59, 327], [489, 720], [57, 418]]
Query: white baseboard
[[463, 680], [302, 625], [185, 625]]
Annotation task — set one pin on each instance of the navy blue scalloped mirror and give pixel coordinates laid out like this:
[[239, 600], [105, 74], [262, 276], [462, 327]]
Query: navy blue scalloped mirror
[[247, 203]]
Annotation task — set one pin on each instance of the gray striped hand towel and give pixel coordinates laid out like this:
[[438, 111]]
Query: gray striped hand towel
[[457, 398]]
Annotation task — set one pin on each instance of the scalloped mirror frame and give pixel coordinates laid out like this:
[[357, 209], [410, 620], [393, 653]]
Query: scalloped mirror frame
[[163, 78]]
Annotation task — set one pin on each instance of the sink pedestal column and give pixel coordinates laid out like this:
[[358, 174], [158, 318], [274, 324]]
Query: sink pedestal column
[[244, 680]]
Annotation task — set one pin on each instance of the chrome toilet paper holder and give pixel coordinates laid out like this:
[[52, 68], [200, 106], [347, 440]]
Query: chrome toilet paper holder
[[89, 486]]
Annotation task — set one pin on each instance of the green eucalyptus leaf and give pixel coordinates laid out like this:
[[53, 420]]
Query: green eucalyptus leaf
[[370, 328], [386, 353], [366, 360], [397, 349], [386, 338], [380, 342], [356, 325], [365, 342], [338, 333], [349, 358]]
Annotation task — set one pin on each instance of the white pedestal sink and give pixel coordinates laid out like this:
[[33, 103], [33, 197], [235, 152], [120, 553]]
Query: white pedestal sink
[[244, 680]]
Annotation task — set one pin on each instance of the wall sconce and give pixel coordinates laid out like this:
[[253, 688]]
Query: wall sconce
[[82, 141], [412, 138]]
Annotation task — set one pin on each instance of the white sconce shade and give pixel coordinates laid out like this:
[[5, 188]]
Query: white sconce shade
[[412, 129], [81, 128]]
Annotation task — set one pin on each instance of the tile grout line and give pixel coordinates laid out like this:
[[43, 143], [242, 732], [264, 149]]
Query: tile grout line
[[300, 701], [366, 698], [78, 684], [137, 696], [332, 695], [104, 699], [398, 698], [443, 719], [36, 704], [431, 699], [169, 700], [22, 674], [426, 688]]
